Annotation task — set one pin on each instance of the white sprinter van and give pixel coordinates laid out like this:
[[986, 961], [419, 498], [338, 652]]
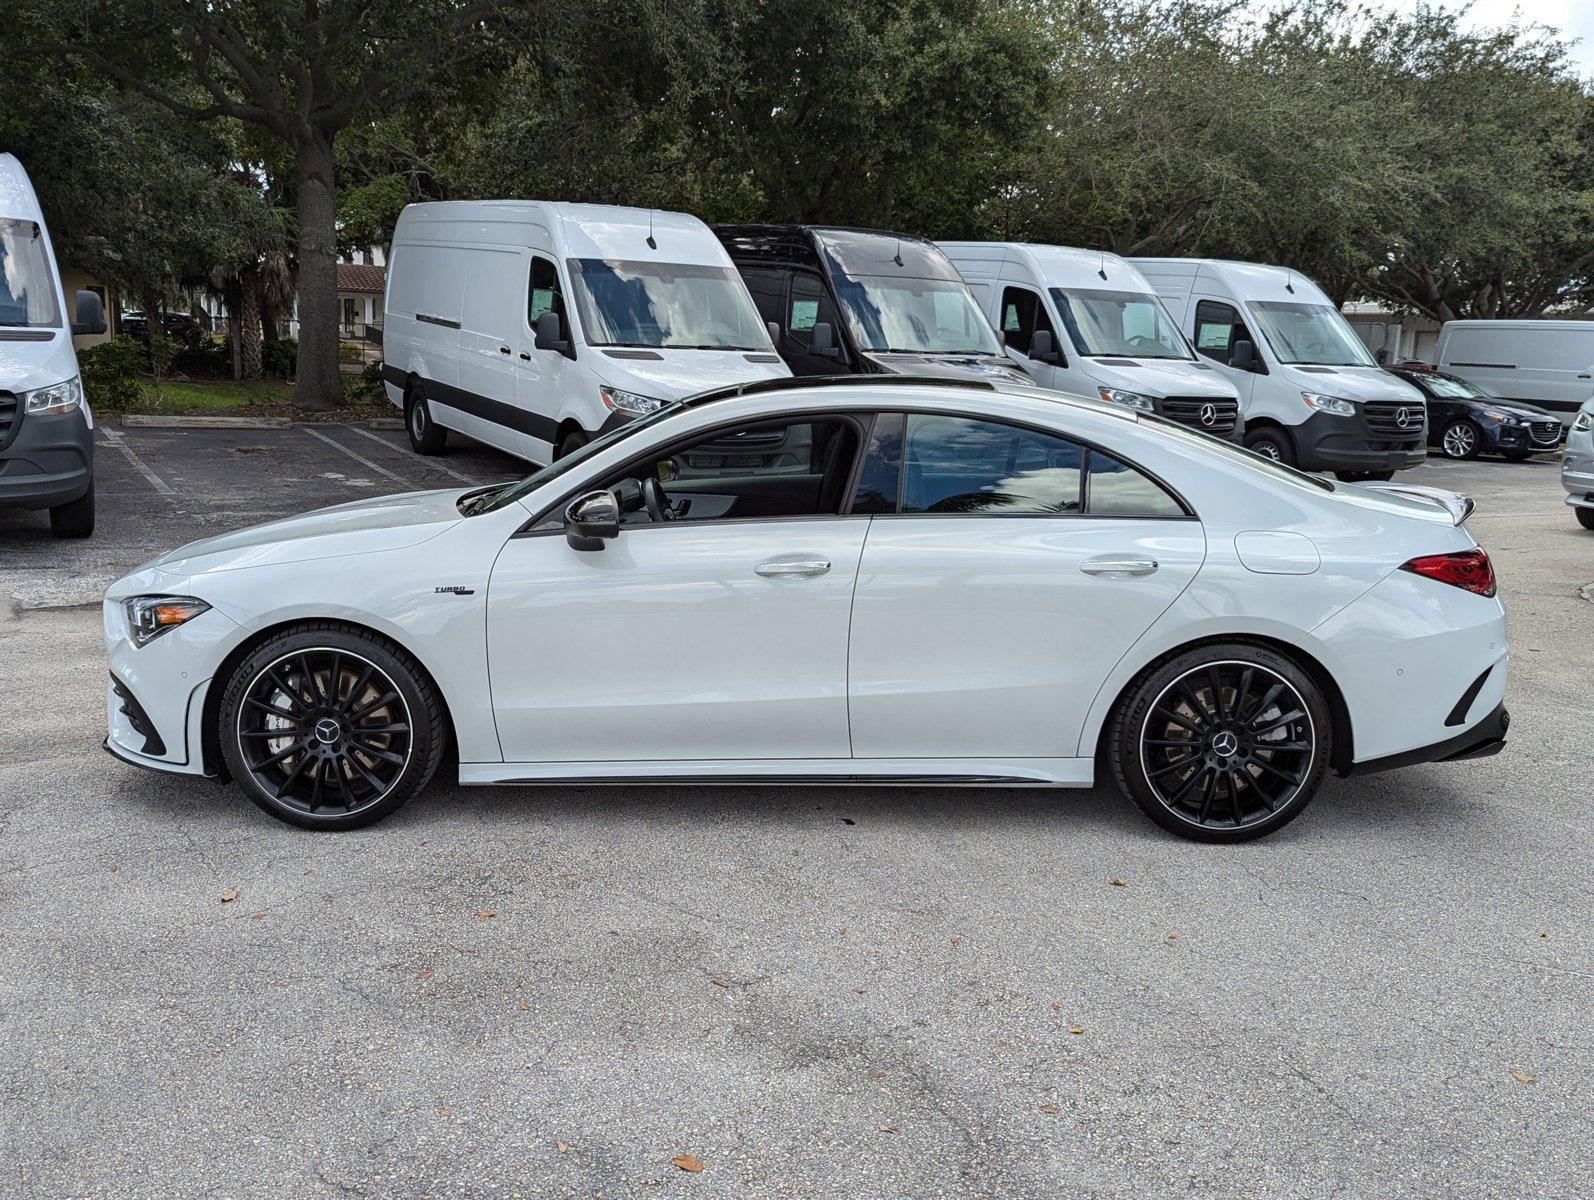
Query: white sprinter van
[[534, 326], [1548, 364], [46, 429], [1085, 322], [1312, 393]]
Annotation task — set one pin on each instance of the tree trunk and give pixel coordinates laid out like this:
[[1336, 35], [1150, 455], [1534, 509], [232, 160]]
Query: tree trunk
[[251, 361], [319, 385]]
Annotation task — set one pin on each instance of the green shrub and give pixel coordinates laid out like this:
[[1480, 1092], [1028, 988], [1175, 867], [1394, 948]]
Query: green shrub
[[208, 359], [110, 372], [348, 352], [281, 357], [366, 387]]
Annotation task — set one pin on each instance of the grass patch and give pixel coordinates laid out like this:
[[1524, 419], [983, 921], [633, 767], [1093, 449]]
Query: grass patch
[[226, 397]]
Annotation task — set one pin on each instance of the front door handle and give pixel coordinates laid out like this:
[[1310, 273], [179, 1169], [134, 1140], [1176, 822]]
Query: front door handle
[[1117, 564], [801, 568], [503, 349]]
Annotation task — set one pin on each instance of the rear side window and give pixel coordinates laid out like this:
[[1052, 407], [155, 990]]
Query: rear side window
[[544, 295], [1118, 490], [956, 465]]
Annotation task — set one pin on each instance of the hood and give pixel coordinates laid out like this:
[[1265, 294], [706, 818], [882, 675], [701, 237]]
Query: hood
[[1159, 378], [362, 527], [991, 368], [1517, 409], [33, 362], [667, 374], [1352, 383]]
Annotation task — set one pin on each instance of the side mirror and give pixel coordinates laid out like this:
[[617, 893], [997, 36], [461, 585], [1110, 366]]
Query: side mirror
[[551, 333], [1382, 356], [1242, 356], [822, 341], [1042, 348], [774, 332], [90, 316], [592, 519]]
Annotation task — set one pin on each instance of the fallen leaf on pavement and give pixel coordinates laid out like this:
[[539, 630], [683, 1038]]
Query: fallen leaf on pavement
[[689, 1162], [257, 916], [486, 915], [445, 1112], [424, 974], [1118, 881], [1075, 1029], [1522, 1076], [522, 1006], [889, 1129], [1050, 1108], [561, 1147], [228, 896], [1056, 1007], [719, 983]]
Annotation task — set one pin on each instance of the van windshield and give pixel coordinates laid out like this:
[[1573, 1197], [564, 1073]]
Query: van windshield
[[1107, 323], [27, 291], [659, 306], [1310, 335], [914, 316]]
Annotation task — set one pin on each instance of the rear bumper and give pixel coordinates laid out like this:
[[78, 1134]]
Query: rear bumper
[[49, 462], [1485, 738]]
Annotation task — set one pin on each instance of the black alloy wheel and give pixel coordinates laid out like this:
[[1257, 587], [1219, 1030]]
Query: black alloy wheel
[[330, 728], [1223, 744]]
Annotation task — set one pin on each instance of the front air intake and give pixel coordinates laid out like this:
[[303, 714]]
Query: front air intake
[[138, 719]]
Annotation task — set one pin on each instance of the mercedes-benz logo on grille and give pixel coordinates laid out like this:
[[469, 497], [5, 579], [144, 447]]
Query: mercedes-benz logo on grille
[[1209, 414], [1402, 417]]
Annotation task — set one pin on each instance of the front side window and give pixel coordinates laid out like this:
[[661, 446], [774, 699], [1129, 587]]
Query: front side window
[[543, 294], [1310, 334], [1217, 327], [809, 305], [957, 465], [1022, 314], [1109, 324], [27, 288], [665, 305]]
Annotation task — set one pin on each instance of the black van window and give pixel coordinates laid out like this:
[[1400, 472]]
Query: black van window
[[1022, 314], [1217, 327], [545, 293], [808, 306]]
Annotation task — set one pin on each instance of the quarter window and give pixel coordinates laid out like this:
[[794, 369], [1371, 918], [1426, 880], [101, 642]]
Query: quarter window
[[1118, 490], [545, 293], [1022, 314]]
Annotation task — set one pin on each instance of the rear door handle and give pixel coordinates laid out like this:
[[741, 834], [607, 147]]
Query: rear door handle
[[503, 349], [1116, 564], [801, 568]]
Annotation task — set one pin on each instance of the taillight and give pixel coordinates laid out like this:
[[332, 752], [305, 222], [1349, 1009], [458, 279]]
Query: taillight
[[1469, 569]]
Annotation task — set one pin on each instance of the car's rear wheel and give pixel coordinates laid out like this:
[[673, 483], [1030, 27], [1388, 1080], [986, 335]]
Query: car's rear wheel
[[327, 727], [1585, 517], [426, 436], [75, 519], [1460, 439], [1224, 743], [1271, 443]]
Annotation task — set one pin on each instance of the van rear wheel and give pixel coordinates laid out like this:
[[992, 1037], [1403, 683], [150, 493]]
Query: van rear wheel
[[426, 436], [1585, 517]]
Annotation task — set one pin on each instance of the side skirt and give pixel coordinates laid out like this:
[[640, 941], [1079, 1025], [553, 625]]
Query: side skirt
[[926, 772]]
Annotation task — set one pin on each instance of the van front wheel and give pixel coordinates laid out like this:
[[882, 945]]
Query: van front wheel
[[426, 436], [570, 443], [1271, 443]]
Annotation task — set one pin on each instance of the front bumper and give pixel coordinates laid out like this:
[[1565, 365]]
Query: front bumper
[[1326, 442], [1577, 473], [1520, 439], [49, 461]]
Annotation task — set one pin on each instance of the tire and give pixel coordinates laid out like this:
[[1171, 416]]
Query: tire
[[570, 443], [1461, 438], [74, 519], [1271, 442], [1585, 517], [309, 755], [426, 436], [1277, 762], [1364, 476]]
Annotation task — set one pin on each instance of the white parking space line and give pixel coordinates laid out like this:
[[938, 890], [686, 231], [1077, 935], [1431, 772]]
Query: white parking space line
[[435, 466], [359, 458], [138, 464]]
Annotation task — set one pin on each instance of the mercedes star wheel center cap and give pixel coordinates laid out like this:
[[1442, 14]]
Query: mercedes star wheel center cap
[[1225, 744], [327, 730]]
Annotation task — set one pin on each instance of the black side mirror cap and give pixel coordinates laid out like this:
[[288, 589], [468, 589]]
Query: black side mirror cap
[[592, 519], [822, 341], [774, 333], [1042, 349], [551, 334], [1242, 357], [90, 315]]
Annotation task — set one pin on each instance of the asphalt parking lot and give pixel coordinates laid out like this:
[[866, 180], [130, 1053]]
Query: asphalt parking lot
[[813, 992]]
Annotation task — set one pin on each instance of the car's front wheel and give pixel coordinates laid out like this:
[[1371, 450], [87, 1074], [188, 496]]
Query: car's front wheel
[[1460, 439], [1223, 743], [1271, 443], [328, 727], [1585, 517]]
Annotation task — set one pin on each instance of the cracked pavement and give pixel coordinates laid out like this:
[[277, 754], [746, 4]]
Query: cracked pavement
[[556, 991]]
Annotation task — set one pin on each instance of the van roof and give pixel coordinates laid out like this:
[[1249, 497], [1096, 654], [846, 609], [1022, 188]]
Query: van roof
[[798, 245], [1252, 281], [1058, 266], [587, 230], [1504, 323], [17, 199]]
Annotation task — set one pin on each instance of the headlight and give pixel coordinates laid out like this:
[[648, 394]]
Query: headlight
[[1585, 420], [1505, 418], [629, 403], [1127, 399], [1329, 404], [150, 616], [63, 397]]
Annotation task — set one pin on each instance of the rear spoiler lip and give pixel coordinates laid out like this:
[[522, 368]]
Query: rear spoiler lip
[[1458, 506]]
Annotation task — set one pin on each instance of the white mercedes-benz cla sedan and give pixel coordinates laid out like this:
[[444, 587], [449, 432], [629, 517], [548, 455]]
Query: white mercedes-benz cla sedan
[[896, 581]]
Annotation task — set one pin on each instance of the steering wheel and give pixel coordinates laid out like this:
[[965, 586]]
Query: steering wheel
[[658, 504]]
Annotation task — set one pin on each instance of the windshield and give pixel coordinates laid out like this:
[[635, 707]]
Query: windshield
[[1105, 323], [914, 316], [27, 292], [1452, 388], [511, 492], [1310, 334], [663, 305]]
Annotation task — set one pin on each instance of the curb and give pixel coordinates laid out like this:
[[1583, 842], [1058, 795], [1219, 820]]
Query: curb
[[154, 421]]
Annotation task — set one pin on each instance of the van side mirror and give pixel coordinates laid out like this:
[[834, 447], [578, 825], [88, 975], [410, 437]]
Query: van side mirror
[[1382, 356], [1242, 356], [90, 317], [774, 332], [592, 519], [1042, 348], [551, 333], [822, 341]]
